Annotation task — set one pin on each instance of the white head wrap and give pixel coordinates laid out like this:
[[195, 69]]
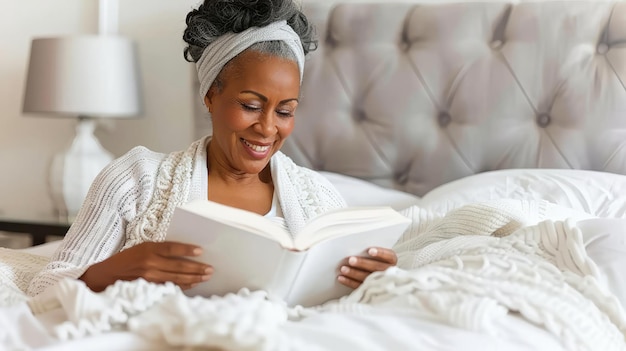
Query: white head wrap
[[229, 45]]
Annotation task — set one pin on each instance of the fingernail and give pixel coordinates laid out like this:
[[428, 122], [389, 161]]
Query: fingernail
[[208, 270], [352, 261], [197, 251], [341, 278], [372, 251], [206, 277], [345, 270]]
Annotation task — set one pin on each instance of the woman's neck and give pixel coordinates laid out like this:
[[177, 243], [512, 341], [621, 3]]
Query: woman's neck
[[252, 192], [220, 170]]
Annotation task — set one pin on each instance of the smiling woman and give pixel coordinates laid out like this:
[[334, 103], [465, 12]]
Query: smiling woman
[[252, 114], [250, 61]]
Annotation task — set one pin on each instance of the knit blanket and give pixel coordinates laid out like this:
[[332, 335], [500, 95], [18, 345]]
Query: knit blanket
[[17, 269], [482, 261], [467, 268]]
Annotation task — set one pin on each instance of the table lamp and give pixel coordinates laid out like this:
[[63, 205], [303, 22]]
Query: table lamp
[[84, 77]]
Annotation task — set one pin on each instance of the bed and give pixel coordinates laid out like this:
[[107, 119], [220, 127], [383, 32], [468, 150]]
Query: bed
[[435, 107]]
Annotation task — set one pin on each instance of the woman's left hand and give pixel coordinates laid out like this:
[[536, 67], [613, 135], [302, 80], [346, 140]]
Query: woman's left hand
[[357, 268]]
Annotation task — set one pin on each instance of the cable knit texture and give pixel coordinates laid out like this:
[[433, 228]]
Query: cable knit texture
[[132, 201], [483, 260], [172, 189]]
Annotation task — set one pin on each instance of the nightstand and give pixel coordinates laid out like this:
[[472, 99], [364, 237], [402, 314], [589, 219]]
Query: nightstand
[[39, 227]]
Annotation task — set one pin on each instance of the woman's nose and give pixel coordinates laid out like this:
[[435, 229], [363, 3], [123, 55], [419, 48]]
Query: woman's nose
[[267, 124]]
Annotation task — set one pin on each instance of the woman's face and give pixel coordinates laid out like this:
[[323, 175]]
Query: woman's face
[[253, 111]]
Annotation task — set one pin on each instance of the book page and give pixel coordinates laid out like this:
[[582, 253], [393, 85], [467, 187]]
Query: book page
[[209, 213], [240, 259], [317, 280], [346, 221], [286, 273]]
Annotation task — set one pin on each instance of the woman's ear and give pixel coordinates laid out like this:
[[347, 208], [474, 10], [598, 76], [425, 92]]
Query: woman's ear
[[208, 99], [207, 102]]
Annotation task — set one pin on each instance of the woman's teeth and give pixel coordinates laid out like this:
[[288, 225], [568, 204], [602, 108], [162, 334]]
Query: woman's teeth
[[256, 148]]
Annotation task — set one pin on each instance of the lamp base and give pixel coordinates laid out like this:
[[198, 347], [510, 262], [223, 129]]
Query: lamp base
[[73, 171]]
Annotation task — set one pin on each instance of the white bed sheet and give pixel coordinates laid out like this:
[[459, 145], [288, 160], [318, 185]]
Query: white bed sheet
[[387, 330], [597, 194]]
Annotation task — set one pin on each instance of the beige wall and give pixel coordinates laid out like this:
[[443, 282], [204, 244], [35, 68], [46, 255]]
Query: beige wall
[[28, 142]]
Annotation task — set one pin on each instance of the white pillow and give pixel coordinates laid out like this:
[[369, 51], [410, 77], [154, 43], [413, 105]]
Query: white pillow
[[596, 193], [600, 194], [358, 192]]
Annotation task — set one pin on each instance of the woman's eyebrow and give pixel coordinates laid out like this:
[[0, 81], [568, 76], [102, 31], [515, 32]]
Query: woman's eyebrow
[[264, 98]]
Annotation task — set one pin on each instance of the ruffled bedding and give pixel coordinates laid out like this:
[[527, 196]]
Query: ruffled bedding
[[475, 272]]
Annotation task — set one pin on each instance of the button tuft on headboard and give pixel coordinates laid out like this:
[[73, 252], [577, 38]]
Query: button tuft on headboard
[[360, 115], [496, 44], [402, 178], [603, 48], [543, 120], [444, 119]]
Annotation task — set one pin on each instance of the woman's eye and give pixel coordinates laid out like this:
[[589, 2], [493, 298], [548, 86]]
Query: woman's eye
[[285, 113], [250, 107]]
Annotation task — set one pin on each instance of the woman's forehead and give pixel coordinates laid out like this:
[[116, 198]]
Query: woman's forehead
[[257, 67]]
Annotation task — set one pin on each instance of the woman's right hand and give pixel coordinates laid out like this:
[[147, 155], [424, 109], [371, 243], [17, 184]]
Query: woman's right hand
[[156, 262]]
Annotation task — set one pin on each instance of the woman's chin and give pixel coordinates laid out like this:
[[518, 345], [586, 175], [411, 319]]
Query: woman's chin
[[254, 167]]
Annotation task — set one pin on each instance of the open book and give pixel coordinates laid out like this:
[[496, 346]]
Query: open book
[[250, 251]]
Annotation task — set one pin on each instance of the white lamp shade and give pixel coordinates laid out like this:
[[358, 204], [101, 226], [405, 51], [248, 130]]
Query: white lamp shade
[[83, 75]]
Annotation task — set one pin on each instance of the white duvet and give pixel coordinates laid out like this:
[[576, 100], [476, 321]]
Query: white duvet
[[472, 269], [501, 275]]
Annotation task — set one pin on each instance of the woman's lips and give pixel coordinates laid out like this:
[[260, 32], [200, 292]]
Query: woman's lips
[[256, 150]]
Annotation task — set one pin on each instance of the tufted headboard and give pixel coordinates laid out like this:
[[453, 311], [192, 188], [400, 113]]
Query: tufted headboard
[[411, 96]]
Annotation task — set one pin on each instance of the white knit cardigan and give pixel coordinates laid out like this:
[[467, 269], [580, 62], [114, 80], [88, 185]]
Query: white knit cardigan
[[132, 201]]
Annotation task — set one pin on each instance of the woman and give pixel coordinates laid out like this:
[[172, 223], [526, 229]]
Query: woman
[[250, 61]]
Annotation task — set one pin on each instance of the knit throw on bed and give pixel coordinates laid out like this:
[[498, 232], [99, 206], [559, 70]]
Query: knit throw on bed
[[467, 268], [482, 261]]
